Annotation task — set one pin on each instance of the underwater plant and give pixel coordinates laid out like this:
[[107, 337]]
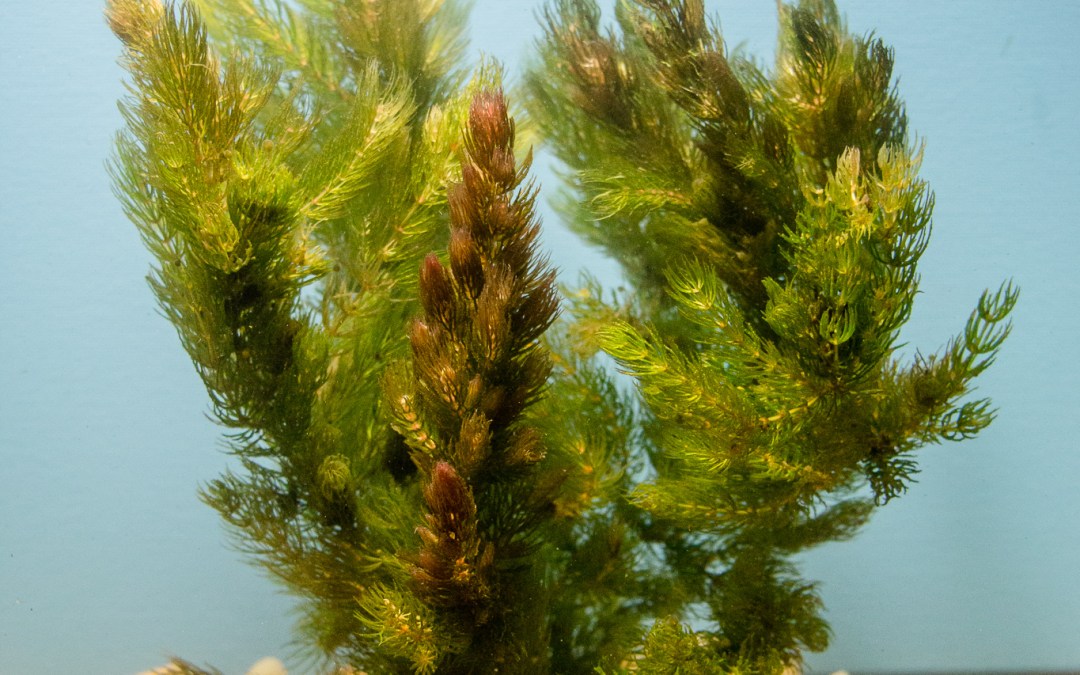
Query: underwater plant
[[449, 475]]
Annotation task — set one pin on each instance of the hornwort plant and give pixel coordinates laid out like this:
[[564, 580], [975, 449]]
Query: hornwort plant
[[445, 470]]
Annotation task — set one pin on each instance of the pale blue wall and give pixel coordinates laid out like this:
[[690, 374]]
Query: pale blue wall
[[108, 562]]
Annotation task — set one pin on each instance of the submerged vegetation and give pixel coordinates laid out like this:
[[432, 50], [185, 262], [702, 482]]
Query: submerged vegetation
[[432, 453]]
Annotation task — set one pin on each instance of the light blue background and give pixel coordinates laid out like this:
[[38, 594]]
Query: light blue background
[[108, 563]]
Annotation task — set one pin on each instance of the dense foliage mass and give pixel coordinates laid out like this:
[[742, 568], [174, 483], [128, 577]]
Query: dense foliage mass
[[452, 478]]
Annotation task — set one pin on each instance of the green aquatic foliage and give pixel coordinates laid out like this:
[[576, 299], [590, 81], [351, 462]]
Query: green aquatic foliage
[[451, 478], [771, 225]]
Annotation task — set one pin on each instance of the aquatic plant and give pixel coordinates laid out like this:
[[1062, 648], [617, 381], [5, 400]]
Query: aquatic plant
[[451, 479]]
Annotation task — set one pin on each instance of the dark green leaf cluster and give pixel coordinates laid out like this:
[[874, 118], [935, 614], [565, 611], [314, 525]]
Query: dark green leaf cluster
[[345, 240]]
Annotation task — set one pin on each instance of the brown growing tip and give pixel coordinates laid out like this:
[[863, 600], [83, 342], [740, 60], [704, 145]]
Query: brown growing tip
[[133, 21]]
